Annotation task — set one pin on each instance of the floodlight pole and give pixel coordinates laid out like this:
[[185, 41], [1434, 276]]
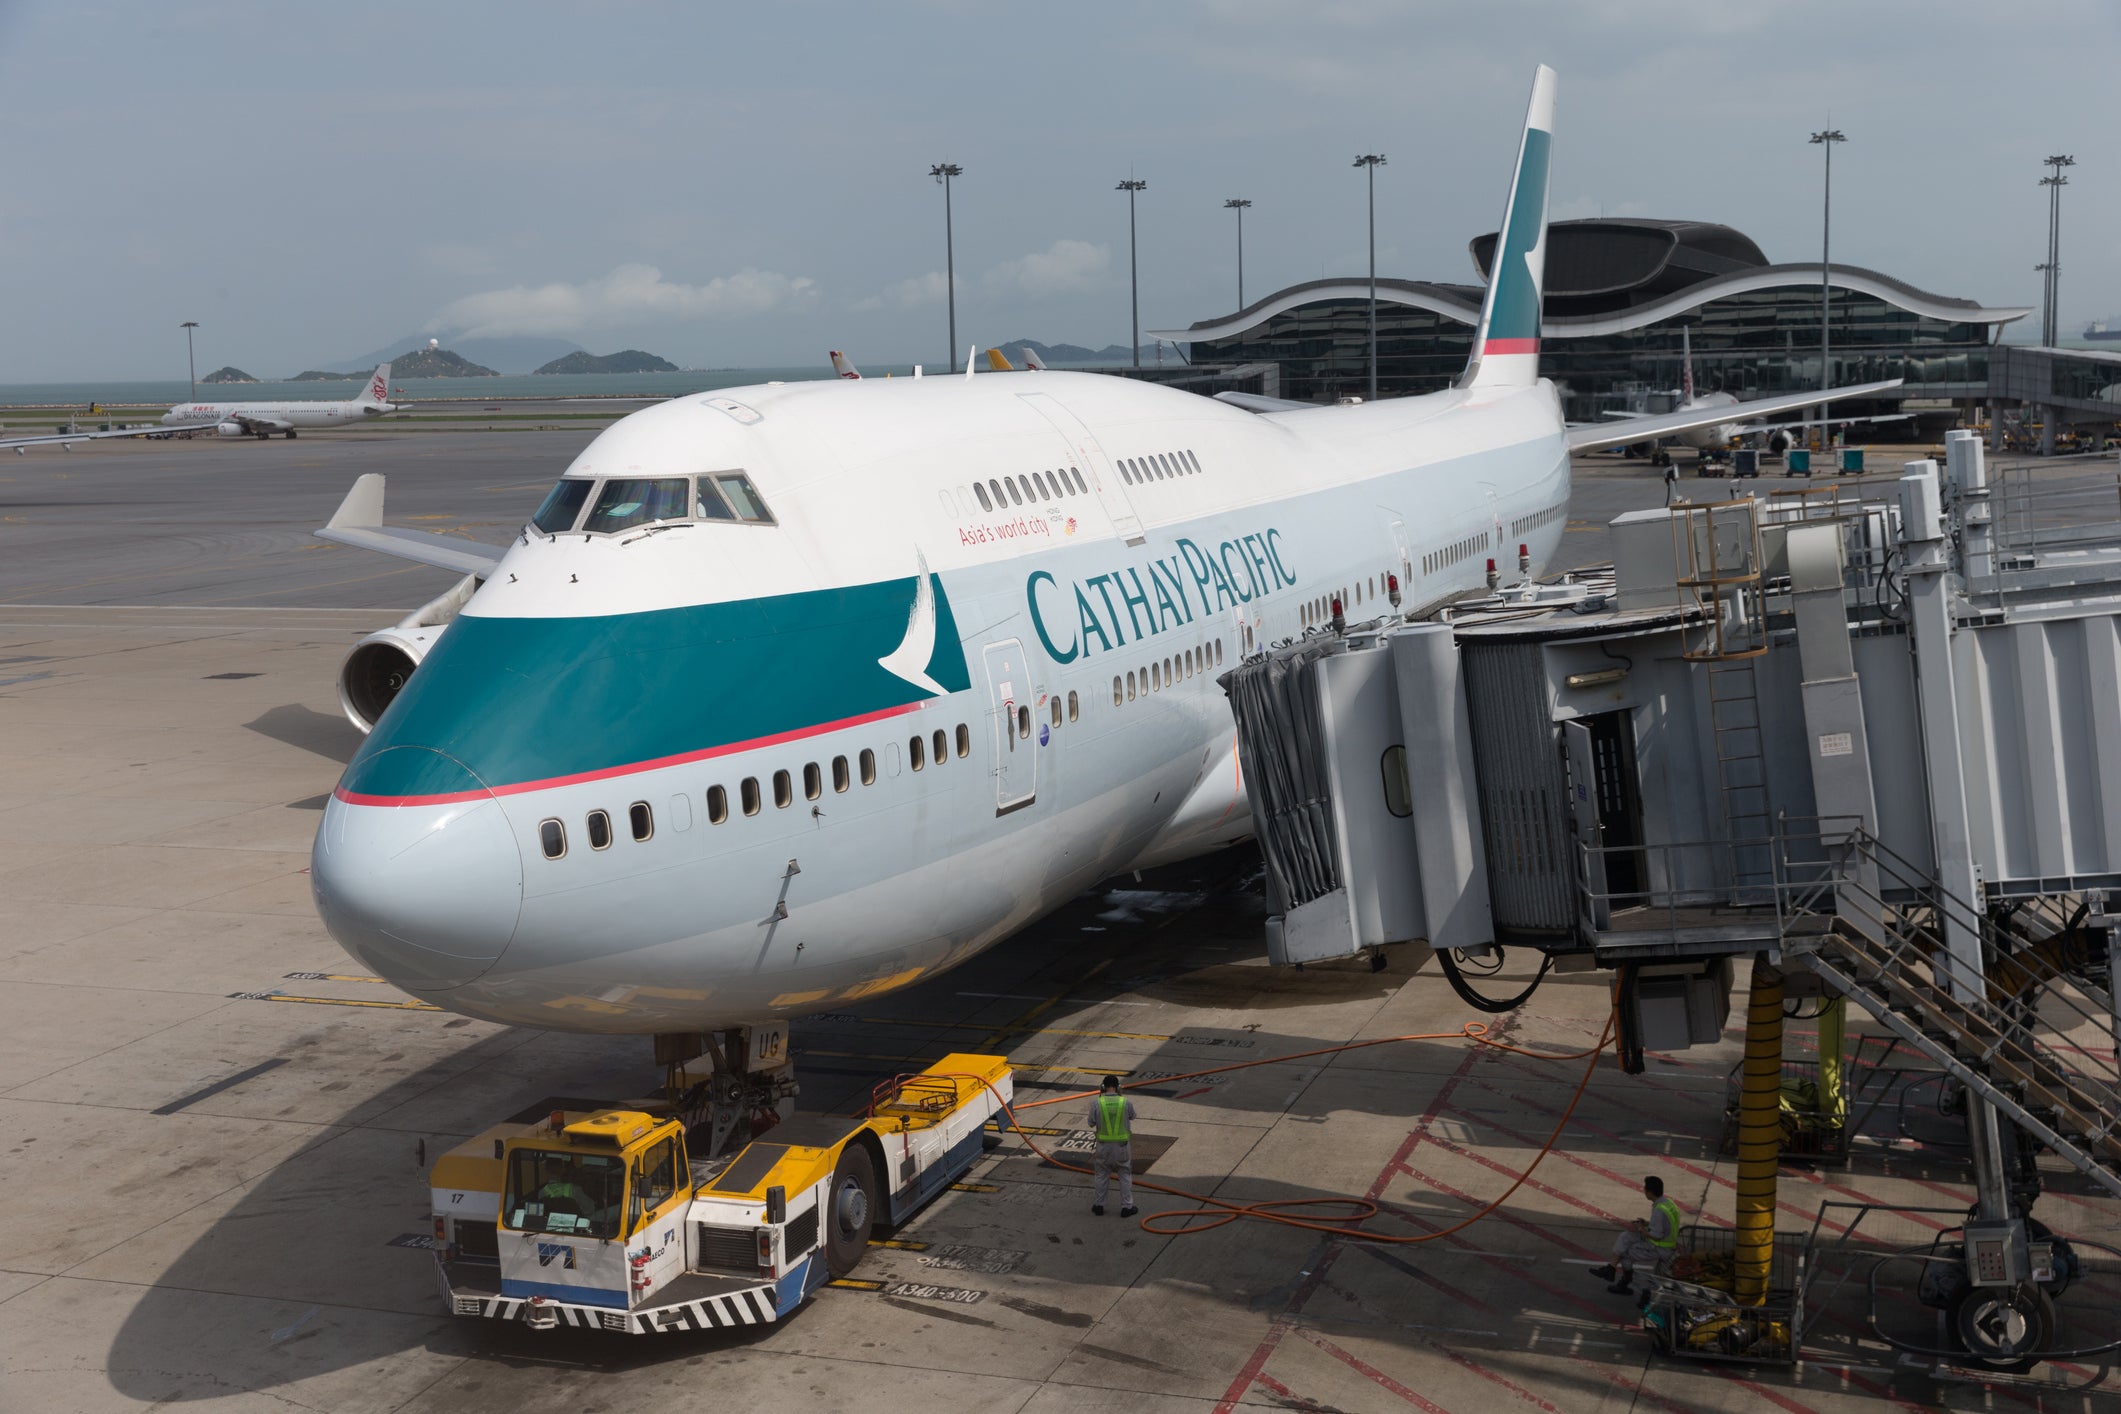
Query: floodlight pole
[[191, 364], [943, 172], [2051, 313], [1130, 187], [1826, 139], [1238, 204], [1372, 161]]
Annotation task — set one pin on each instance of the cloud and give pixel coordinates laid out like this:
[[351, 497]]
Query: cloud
[[910, 293], [1065, 267], [630, 295]]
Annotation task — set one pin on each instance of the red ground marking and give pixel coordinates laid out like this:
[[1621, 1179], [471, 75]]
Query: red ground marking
[[1516, 1269], [1501, 1215], [1761, 1391], [1253, 1366], [1532, 1183], [1296, 1401], [1401, 1265], [1485, 1373], [1372, 1373]]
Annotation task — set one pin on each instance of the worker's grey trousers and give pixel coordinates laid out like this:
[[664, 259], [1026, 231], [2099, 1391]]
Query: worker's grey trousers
[[1111, 1159], [1631, 1250]]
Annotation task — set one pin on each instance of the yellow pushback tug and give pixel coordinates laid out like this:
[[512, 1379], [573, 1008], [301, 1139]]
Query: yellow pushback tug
[[598, 1220]]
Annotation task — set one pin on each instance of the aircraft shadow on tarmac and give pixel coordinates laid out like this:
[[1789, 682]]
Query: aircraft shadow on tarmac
[[325, 734]]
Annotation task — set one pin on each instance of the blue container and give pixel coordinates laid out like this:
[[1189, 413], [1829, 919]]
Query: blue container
[[1800, 461], [1852, 460]]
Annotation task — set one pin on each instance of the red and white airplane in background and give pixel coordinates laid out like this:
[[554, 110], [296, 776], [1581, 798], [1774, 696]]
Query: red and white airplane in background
[[264, 419]]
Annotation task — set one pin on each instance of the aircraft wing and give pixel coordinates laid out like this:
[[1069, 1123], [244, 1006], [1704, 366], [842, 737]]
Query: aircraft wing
[[1664, 424], [359, 523], [154, 430], [251, 423], [1751, 427], [1259, 402]]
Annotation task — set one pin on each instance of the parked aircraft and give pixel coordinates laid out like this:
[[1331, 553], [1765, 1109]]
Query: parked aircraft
[[264, 419], [790, 696]]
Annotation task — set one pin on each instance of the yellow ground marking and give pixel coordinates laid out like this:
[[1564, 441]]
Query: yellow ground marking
[[855, 1284], [1015, 1028], [898, 1244], [407, 1005], [975, 1188], [331, 977]]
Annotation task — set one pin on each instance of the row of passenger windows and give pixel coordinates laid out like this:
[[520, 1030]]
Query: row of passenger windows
[[1039, 486], [625, 502], [640, 818], [1525, 524], [1158, 676], [1450, 555], [1158, 466], [1316, 612]]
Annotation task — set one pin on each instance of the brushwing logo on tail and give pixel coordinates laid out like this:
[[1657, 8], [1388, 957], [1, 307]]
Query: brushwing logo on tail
[[911, 658]]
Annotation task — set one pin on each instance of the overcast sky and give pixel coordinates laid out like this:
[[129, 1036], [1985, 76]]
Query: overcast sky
[[747, 184]]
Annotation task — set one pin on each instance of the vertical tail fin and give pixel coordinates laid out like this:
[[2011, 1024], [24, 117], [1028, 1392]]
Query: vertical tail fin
[[378, 388], [1506, 345], [998, 362], [841, 366], [1033, 361], [1686, 364]]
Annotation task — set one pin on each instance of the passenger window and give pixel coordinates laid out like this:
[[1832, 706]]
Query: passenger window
[[916, 753], [707, 503], [1001, 500], [717, 805], [840, 781], [1156, 680], [1193, 459], [1009, 485], [783, 790], [744, 497], [1074, 709], [1030, 491], [964, 741], [1023, 722], [631, 501], [1079, 486], [941, 746], [1218, 652], [642, 819], [751, 795], [552, 837], [981, 492], [1130, 686], [868, 759], [562, 505], [813, 781], [599, 830], [1045, 489], [1056, 709]]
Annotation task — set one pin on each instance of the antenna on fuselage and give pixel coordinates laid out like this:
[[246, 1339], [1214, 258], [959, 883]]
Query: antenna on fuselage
[[969, 354]]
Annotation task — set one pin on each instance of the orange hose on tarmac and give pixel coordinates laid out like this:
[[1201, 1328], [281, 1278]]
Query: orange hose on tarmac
[[1759, 1136], [1217, 1212]]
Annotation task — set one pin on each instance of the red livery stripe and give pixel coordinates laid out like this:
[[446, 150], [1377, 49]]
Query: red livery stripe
[[607, 773], [1511, 346]]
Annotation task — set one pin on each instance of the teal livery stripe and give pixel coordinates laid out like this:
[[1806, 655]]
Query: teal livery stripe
[[1515, 316], [524, 703]]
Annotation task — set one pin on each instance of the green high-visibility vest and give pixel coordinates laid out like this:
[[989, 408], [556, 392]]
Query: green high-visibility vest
[[1671, 1223], [1112, 1119]]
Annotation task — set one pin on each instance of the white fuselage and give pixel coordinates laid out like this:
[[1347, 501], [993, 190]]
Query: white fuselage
[[276, 417], [771, 696]]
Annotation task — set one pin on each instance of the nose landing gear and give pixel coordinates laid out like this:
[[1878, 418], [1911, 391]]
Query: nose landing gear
[[750, 1086]]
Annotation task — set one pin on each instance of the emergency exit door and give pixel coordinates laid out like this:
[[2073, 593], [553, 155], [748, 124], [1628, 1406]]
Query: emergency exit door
[[1009, 694]]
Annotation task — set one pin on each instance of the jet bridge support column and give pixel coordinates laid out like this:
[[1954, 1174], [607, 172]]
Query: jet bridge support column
[[1928, 561]]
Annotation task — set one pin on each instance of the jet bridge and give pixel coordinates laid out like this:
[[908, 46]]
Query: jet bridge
[[1876, 747]]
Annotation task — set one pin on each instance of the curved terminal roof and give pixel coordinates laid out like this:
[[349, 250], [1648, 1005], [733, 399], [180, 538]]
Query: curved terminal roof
[[1461, 303], [1607, 261]]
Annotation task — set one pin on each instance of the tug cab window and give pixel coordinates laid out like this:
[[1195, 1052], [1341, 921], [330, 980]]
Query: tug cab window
[[626, 502], [563, 505], [554, 1191], [744, 497]]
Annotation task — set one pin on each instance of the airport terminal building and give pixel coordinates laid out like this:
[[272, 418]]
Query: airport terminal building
[[1619, 292]]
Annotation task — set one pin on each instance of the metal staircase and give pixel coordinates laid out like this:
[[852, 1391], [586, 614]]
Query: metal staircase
[[2036, 1038], [1741, 776]]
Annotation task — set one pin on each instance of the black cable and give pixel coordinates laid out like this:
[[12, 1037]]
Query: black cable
[[1491, 1005]]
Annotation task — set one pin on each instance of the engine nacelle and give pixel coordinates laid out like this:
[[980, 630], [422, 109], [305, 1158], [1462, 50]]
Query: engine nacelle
[[382, 663], [231, 429], [1780, 440]]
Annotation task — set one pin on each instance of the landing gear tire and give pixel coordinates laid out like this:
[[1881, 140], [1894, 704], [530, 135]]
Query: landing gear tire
[[290, 434], [851, 1210], [2004, 1328]]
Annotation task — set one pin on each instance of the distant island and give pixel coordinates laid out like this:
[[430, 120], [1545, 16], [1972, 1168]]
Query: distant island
[[624, 361], [230, 374], [316, 376], [435, 363], [1071, 353]]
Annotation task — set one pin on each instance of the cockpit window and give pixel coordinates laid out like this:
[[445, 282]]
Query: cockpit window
[[562, 505], [627, 502], [745, 497], [553, 1191], [707, 503]]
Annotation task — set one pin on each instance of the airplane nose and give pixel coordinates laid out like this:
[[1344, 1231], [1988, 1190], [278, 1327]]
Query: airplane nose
[[426, 892]]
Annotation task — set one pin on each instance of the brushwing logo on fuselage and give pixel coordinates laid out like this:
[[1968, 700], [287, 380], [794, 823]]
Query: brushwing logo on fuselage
[[911, 658]]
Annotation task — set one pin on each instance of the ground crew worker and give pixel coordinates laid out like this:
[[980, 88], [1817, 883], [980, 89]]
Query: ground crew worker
[[1651, 1243], [1671, 481], [562, 1191], [1112, 1116]]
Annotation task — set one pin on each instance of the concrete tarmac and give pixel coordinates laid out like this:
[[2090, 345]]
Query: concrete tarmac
[[169, 638]]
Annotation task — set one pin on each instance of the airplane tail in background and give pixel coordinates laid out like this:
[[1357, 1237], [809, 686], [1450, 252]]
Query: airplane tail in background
[[1033, 362], [1506, 345], [378, 388], [1686, 363], [999, 362], [841, 366]]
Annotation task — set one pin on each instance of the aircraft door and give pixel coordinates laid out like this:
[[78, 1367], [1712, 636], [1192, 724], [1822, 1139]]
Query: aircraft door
[[1009, 702], [1096, 467], [1583, 819]]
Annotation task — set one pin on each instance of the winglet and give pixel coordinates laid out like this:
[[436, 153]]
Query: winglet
[[1506, 345], [363, 507]]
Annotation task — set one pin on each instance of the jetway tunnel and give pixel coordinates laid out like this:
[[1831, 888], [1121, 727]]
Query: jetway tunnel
[[1873, 747]]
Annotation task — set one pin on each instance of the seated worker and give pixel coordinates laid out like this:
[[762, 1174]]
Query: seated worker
[[1651, 1243]]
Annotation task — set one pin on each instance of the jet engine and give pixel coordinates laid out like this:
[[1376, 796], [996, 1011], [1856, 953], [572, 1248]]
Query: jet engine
[[1780, 440], [231, 429], [381, 664]]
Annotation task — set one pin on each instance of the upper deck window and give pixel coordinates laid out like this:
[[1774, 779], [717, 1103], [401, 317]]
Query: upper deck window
[[629, 501], [563, 505], [744, 497]]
